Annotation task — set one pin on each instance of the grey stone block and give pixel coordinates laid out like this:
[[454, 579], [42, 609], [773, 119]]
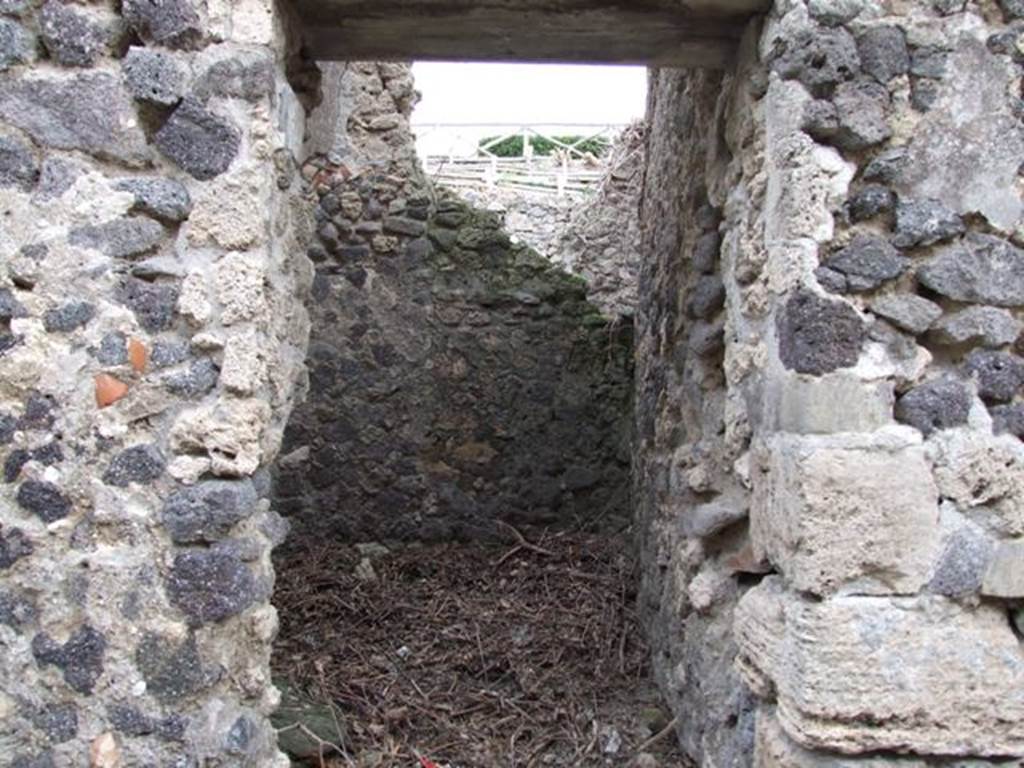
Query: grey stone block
[[71, 36], [245, 75], [91, 112], [163, 198], [862, 112], [937, 404], [999, 375], [172, 670], [883, 52], [19, 167], [963, 563], [198, 140], [818, 335], [138, 464], [17, 46], [1008, 419], [907, 312], [987, 326], [154, 304], [981, 269], [68, 317], [119, 238], [153, 76], [924, 222], [820, 58], [866, 263], [174, 23], [206, 512], [209, 587], [869, 201], [44, 500]]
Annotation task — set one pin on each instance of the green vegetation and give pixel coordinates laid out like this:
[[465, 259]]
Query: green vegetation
[[512, 146]]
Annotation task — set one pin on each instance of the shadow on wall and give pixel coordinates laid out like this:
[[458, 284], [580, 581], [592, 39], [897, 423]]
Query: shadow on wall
[[456, 379]]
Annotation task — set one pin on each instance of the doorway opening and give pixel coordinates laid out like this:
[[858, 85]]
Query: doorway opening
[[459, 582]]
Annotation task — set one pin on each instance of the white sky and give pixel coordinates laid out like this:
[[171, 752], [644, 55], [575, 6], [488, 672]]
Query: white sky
[[525, 93], [529, 93]]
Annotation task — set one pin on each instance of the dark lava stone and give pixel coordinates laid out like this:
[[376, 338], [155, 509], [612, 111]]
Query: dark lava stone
[[819, 335], [935, 405], [138, 464], [44, 500]]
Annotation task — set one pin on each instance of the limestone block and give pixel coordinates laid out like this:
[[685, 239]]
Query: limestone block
[[193, 303], [229, 433], [835, 402], [809, 181], [984, 475], [231, 211], [244, 367], [861, 674], [966, 150], [90, 112], [1005, 575], [848, 512], [239, 285], [774, 749]]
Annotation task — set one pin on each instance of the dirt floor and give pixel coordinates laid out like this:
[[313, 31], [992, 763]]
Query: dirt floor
[[506, 655]]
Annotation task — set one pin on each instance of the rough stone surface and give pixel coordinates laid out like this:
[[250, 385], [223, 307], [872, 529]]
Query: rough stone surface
[[1008, 419], [44, 500], [963, 563], [16, 44], [165, 199], [539, 378], [71, 37], [18, 165], [80, 658], [870, 201], [923, 222], [198, 140], [247, 75], [209, 586], [68, 317], [154, 304], [999, 375], [938, 404], [153, 76], [818, 335], [876, 536], [861, 115], [174, 23], [138, 464], [981, 269], [90, 112], [907, 312], [820, 58], [173, 669], [119, 238], [866, 263], [206, 512], [952, 695], [988, 326], [883, 52], [14, 545]]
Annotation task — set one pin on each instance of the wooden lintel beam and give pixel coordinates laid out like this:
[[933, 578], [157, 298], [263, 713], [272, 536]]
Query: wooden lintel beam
[[648, 33]]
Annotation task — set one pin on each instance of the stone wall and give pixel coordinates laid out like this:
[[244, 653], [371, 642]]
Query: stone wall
[[601, 241], [152, 334], [456, 379], [829, 463], [831, 543], [595, 235]]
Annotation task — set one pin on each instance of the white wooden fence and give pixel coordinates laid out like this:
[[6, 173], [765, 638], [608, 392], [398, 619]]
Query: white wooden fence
[[456, 155]]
